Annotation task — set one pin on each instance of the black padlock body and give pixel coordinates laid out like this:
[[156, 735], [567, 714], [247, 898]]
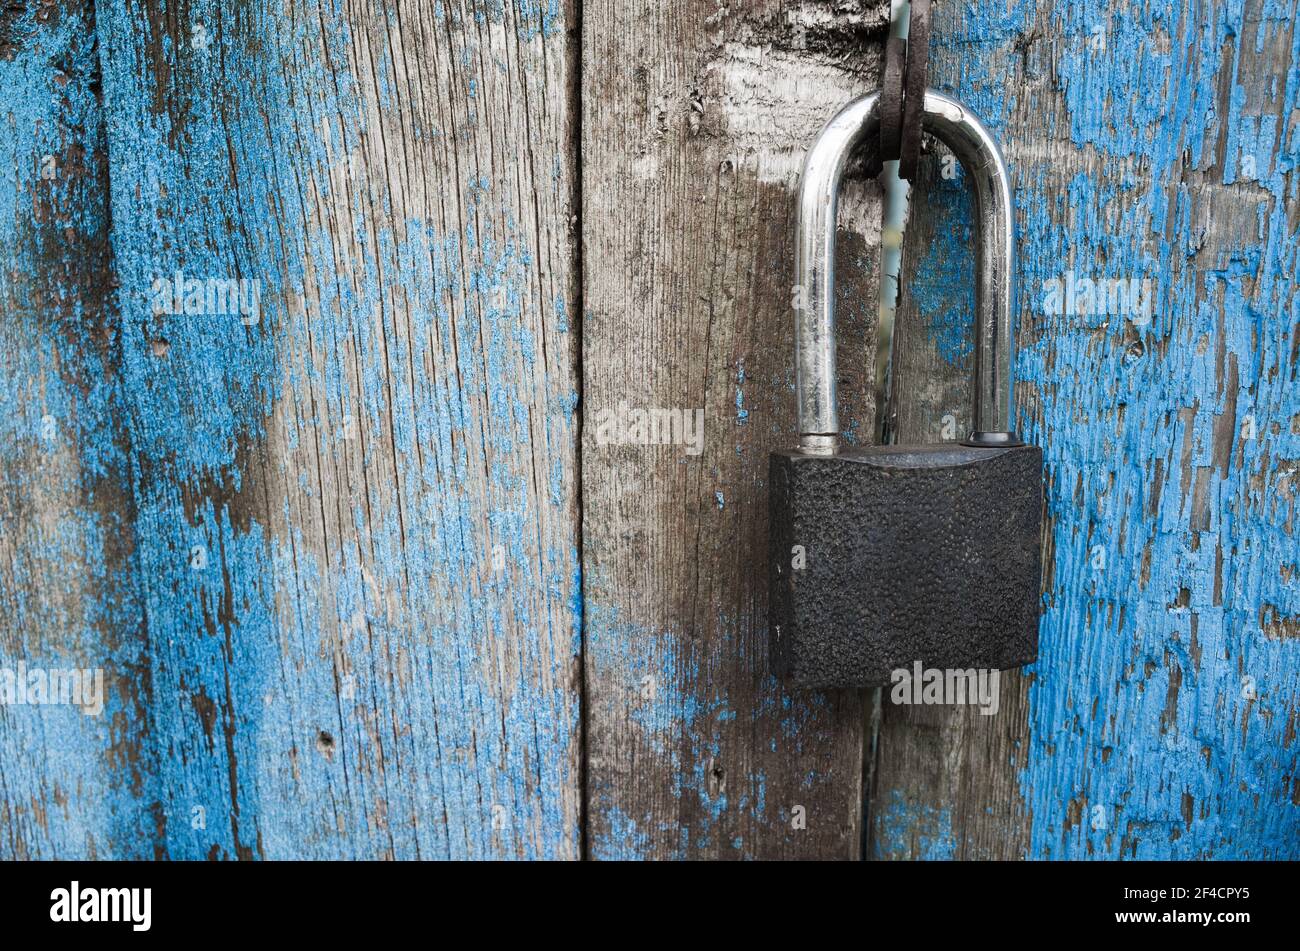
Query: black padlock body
[[913, 553]]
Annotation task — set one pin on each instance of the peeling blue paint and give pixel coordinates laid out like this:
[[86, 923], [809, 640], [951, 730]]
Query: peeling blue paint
[[1162, 709], [934, 285], [914, 831], [73, 784], [303, 709]]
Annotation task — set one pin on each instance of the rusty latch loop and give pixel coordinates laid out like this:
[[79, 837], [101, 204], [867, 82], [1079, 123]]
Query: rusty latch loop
[[902, 96]]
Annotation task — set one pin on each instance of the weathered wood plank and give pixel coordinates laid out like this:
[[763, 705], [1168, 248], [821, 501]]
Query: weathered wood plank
[[73, 780], [695, 121], [1155, 143], [357, 516]]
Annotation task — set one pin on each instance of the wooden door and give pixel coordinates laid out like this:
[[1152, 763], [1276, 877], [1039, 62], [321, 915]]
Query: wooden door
[[389, 391]]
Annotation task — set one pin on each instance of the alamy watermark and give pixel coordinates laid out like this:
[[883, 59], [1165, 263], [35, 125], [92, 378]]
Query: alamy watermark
[[214, 296], [651, 426], [1077, 296], [46, 686], [974, 686], [82, 904]]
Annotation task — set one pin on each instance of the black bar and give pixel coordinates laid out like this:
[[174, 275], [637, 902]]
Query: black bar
[[974, 901]]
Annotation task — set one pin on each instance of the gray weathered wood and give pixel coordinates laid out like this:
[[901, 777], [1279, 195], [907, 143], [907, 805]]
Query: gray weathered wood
[[695, 121]]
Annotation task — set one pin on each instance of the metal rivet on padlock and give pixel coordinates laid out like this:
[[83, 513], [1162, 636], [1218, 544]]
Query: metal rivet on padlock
[[903, 554]]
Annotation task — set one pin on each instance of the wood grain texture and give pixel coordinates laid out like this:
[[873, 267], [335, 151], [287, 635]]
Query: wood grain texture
[[357, 523], [73, 781], [355, 593], [695, 121], [1148, 142]]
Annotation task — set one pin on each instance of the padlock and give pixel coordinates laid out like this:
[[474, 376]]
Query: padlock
[[885, 556]]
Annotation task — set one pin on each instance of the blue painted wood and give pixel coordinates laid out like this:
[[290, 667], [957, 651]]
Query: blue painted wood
[[74, 780], [1153, 143], [353, 597]]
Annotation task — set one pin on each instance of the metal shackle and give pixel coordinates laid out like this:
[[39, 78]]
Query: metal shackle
[[857, 127]]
